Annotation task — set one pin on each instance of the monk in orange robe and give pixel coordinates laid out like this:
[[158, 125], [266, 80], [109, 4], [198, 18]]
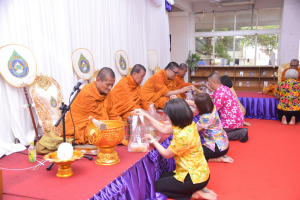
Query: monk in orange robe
[[159, 87], [180, 79], [126, 94], [93, 100], [294, 64]]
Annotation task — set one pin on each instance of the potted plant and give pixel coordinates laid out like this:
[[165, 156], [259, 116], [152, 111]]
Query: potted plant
[[192, 61]]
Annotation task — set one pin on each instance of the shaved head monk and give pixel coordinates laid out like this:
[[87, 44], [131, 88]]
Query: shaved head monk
[[294, 64], [159, 87], [183, 68], [94, 100], [126, 94]]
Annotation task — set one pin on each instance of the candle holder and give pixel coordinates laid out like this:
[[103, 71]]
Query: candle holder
[[64, 169]]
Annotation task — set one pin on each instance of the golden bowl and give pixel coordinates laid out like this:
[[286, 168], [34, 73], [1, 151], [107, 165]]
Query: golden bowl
[[64, 169], [107, 140]]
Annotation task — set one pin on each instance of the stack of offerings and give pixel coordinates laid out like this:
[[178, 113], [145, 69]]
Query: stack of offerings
[[136, 131], [148, 126], [190, 96]]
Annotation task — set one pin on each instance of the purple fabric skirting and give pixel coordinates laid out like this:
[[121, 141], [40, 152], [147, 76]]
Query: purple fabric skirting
[[137, 182], [260, 108]]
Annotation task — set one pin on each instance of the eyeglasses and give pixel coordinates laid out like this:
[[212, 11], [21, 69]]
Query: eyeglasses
[[294, 65], [174, 72]]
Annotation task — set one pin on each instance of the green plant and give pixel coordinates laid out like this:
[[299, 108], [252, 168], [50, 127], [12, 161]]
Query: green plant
[[192, 60]]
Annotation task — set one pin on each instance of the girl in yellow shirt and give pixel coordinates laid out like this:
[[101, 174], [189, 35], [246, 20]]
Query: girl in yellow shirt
[[191, 175]]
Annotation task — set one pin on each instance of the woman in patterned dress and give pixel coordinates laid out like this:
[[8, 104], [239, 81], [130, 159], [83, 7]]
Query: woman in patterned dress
[[215, 142], [289, 98], [191, 175]]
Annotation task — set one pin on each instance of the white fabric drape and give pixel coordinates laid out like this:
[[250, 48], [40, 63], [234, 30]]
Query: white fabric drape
[[53, 29]]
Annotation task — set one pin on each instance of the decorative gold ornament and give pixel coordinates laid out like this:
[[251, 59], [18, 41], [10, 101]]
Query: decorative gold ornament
[[43, 81], [95, 74], [64, 169], [156, 69], [44, 115], [23, 85], [107, 140]]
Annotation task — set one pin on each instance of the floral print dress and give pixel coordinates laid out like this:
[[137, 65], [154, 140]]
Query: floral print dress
[[189, 157], [289, 95]]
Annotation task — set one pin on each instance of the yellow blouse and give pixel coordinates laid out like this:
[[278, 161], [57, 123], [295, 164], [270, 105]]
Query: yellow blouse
[[189, 157]]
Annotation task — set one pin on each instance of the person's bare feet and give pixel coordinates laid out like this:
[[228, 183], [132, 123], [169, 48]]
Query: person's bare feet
[[224, 158], [200, 194], [206, 190], [246, 123], [293, 121], [283, 121]]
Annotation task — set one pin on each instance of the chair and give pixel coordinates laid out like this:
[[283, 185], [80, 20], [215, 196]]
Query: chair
[[281, 68], [47, 97]]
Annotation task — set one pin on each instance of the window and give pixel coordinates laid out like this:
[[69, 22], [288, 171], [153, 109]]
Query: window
[[225, 21], [204, 22], [251, 36], [246, 20], [269, 18], [265, 45], [244, 50], [224, 48], [204, 46]]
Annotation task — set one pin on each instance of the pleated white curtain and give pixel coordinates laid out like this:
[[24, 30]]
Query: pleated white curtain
[[53, 29]]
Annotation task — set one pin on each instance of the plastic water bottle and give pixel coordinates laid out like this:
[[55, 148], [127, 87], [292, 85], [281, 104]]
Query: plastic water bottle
[[32, 152]]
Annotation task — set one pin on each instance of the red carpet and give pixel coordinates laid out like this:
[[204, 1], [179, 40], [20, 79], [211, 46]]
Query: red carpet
[[252, 94], [266, 167]]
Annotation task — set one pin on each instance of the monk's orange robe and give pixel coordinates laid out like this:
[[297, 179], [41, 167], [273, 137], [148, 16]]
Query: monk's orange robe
[[180, 84], [156, 87], [89, 102], [283, 74], [126, 96]]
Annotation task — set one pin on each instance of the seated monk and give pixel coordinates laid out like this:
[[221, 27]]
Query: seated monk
[[94, 100], [294, 64], [126, 94], [180, 83], [159, 87]]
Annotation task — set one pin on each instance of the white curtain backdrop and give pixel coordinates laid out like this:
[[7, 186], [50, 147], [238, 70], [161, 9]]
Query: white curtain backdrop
[[53, 29]]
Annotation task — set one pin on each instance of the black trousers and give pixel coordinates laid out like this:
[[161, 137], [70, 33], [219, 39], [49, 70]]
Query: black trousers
[[208, 153], [174, 189], [288, 115], [237, 134]]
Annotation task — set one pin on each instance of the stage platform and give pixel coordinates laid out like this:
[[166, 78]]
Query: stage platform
[[258, 105], [134, 176]]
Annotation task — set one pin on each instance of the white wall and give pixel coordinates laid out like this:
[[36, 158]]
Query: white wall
[[180, 33], [179, 30], [290, 32]]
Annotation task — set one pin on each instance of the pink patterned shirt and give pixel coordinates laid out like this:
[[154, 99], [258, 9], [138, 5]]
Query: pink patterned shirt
[[226, 104]]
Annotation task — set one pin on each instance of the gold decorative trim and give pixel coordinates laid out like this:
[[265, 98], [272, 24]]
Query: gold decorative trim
[[94, 76], [35, 66], [23, 85], [284, 66], [74, 67], [44, 115]]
